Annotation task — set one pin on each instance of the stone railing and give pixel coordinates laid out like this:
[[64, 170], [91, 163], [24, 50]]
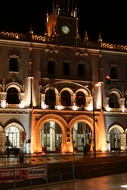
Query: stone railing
[[54, 40]]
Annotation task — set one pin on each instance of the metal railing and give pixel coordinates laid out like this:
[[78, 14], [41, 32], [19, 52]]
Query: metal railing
[[14, 177]]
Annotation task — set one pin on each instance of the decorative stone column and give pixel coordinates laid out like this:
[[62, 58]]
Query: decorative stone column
[[123, 141], [122, 104], [52, 136], [43, 105], [107, 104], [3, 99]]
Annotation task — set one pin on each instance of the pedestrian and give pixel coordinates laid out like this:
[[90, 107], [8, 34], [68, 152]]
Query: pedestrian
[[87, 150], [8, 152]]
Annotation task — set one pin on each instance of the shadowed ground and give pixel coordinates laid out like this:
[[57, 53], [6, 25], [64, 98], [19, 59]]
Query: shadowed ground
[[69, 168]]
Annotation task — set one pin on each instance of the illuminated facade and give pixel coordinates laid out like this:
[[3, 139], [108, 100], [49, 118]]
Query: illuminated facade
[[54, 92]]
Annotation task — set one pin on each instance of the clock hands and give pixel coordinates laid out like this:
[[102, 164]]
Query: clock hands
[[65, 29]]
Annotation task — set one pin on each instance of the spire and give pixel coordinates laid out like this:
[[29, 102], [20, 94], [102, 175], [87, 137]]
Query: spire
[[58, 3], [99, 37], [72, 7], [68, 6], [47, 16], [75, 12], [31, 29], [30, 55], [65, 5], [86, 36], [30, 74], [53, 7]]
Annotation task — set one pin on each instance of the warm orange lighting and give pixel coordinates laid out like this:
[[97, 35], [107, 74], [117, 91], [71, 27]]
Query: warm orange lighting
[[108, 77], [103, 149]]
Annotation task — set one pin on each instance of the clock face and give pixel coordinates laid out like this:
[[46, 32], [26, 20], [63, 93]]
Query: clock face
[[65, 29]]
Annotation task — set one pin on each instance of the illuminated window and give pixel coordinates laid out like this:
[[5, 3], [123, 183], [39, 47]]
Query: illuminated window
[[115, 139], [13, 137]]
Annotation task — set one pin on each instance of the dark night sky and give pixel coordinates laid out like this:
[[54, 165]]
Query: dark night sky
[[106, 16]]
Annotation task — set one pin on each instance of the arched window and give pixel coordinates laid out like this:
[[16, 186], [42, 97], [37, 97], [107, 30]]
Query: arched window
[[65, 98], [12, 96], [115, 139], [80, 99], [13, 137], [50, 99], [113, 101]]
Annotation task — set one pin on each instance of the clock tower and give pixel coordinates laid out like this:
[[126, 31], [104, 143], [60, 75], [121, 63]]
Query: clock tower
[[63, 24]]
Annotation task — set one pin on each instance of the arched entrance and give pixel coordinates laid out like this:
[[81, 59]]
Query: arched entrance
[[54, 126], [83, 132], [51, 136], [117, 138], [82, 135]]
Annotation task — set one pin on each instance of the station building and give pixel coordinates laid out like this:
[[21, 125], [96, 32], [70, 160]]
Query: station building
[[59, 92]]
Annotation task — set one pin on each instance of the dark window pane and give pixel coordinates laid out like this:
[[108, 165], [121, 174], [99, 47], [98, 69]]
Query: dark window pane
[[114, 74], [51, 68], [12, 96], [66, 69], [80, 70], [113, 101], [50, 99], [65, 98], [13, 67], [80, 99]]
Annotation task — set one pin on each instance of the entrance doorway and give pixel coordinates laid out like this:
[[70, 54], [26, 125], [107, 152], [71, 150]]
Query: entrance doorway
[[81, 135], [51, 136], [115, 139]]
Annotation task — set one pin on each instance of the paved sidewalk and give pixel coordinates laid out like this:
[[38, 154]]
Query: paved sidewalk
[[51, 158], [106, 182], [117, 182]]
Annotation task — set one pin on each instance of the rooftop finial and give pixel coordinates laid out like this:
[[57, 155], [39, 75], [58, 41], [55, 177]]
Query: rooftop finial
[[86, 36], [31, 29], [99, 37], [53, 6]]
